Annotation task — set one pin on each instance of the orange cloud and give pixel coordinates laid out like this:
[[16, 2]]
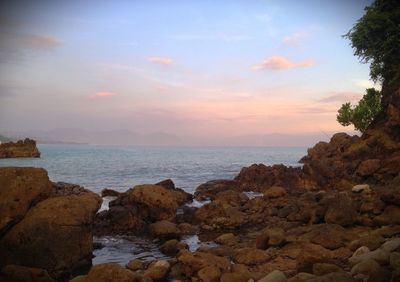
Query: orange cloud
[[281, 63], [161, 61], [104, 94], [294, 38]]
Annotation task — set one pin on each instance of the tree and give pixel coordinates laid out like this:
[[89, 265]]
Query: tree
[[375, 39], [362, 114]]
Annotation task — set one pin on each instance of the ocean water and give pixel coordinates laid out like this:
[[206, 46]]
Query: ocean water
[[121, 167]]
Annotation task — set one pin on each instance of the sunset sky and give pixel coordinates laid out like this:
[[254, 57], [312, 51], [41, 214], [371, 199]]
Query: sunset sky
[[190, 68]]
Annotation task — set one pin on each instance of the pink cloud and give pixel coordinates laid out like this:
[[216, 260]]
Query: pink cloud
[[282, 63], [161, 61], [103, 94], [341, 97], [294, 38]]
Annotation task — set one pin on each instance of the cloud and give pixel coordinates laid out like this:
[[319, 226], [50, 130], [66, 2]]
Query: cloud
[[104, 94], [161, 61], [282, 63], [341, 97], [294, 38], [365, 83]]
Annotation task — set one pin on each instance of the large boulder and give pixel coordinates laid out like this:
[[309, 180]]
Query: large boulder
[[109, 272], [191, 263], [55, 235], [20, 189], [21, 149]]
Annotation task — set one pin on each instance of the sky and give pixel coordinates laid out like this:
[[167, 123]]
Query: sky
[[187, 68]]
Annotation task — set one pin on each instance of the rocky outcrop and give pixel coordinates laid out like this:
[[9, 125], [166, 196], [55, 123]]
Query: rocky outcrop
[[20, 149], [44, 231], [134, 209]]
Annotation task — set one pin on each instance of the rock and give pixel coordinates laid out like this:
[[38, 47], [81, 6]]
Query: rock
[[167, 184], [371, 241], [274, 276], [364, 188], [275, 192], [341, 210], [235, 276], [157, 271], [368, 167], [226, 239], [164, 230], [18, 273], [391, 245], [308, 254], [21, 149], [79, 278], [172, 247], [391, 196], [230, 198], [321, 269], [379, 255], [209, 189], [109, 272], [191, 263], [333, 277], [109, 193], [251, 256], [365, 267], [54, 235], [135, 264], [21, 189], [67, 189], [391, 215], [301, 277], [209, 274], [187, 229], [329, 236], [395, 260], [270, 237]]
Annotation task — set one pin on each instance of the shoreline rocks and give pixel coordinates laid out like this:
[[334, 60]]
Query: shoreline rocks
[[20, 149]]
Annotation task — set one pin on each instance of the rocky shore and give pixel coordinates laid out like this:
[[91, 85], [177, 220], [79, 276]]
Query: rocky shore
[[337, 218], [20, 149]]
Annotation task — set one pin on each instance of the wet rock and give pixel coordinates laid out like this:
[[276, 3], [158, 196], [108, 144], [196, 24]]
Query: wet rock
[[109, 272], [172, 247], [341, 210], [209, 274], [18, 273], [164, 230], [251, 256], [135, 264], [191, 263], [20, 149], [209, 189], [21, 188], [54, 235], [109, 193], [368, 167]]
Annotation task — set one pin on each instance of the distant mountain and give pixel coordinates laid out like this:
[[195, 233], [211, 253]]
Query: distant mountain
[[127, 137]]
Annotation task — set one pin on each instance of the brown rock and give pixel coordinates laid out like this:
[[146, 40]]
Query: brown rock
[[391, 215], [371, 241], [18, 273], [191, 263], [135, 264], [109, 193], [21, 188], [164, 230], [54, 235], [167, 184], [329, 236], [21, 149], [270, 237], [110, 272], [172, 247], [368, 167], [235, 276], [157, 271], [341, 210], [251, 256], [321, 269], [226, 239], [275, 192], [209, 189], [209, 274]]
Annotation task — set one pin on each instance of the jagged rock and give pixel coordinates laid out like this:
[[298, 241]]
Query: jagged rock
[[209, 189], [106, 192], [368, 167], [275, 192], [54, 235], [21, 188], [20, 149], [167, 184]]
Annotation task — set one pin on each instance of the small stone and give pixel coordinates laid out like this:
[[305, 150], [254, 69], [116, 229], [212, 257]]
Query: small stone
[[361, 188]]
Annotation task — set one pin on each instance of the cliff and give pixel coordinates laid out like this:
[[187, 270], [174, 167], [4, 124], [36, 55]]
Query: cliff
[[20, 149]]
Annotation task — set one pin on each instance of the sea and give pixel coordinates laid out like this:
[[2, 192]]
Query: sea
[[96, 167]]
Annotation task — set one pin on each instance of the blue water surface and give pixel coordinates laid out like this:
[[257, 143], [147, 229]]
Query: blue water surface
[[121, 167]]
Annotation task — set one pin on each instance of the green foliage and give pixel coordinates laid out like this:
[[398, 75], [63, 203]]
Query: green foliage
[[362, 114], [375, 39]]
